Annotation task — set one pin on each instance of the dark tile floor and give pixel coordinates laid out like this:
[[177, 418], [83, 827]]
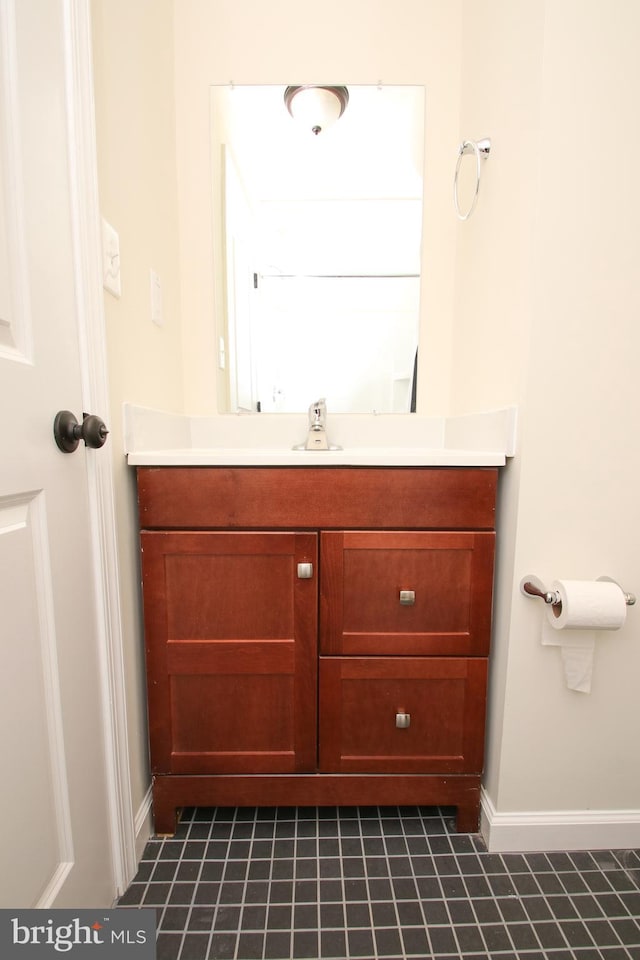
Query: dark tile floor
[[369, 883]]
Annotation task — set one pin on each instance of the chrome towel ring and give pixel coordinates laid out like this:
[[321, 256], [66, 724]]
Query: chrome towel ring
[[481, 148]]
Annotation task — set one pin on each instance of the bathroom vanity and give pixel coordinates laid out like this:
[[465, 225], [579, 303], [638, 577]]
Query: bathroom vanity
[[316, 635]]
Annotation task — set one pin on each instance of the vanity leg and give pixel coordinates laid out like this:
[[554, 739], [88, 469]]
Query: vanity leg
[[468, 817], [165, 814]]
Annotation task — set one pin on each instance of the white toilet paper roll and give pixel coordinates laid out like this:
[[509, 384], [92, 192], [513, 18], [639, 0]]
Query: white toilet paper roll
[[587, 605]]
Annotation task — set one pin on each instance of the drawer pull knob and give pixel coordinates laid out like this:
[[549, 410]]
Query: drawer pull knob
[[403, 720], [407, 598]]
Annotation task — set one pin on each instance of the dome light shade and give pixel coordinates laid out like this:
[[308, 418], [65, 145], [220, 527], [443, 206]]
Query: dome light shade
[[316, 107]]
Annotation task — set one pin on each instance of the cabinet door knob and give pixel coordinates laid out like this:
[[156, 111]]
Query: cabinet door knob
[[403, 720], [407, 597], [305, 571]]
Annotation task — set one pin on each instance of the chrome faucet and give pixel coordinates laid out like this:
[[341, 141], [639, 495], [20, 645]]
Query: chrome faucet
[[317, 435], [317, 438]]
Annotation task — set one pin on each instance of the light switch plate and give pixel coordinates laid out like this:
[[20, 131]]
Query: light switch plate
[[111, 260]]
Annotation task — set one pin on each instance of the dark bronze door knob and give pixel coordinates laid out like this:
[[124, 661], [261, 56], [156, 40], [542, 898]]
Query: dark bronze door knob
[[68, 432]]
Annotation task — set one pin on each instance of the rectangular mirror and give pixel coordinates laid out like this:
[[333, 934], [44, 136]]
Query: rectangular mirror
[[317, 238]]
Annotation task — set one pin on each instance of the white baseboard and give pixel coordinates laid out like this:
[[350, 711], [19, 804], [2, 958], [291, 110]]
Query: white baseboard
[[558, 830], [143, 823]]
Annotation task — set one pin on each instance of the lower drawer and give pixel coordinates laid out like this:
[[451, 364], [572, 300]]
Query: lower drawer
[[402, 714]]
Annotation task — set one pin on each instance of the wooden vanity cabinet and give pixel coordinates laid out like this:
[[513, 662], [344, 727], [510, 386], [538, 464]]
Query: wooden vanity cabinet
[[316, 635]]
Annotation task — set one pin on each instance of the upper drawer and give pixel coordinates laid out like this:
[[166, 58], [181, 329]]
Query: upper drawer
[[449, 498], [405, 593]]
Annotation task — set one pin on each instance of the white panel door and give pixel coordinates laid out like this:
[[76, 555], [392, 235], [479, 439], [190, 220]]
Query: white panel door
[[53, 801]]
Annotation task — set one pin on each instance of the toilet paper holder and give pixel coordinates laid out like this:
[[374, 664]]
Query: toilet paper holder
[[532, 587]]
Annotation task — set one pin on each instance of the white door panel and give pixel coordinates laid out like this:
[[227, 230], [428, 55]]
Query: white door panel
[[53, 802], [30, 709]]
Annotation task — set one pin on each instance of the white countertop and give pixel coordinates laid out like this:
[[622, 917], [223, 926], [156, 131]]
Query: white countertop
[[157, 438], [363, 457]]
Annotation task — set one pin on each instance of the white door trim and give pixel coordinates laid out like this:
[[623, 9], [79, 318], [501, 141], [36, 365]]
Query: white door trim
[[83, 172]]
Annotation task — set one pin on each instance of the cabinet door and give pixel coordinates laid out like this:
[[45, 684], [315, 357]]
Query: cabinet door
[[409, 593], [402, 714], [231, 651]]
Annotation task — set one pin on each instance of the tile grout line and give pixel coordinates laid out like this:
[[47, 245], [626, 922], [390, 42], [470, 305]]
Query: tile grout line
[[317, 879], [372, 927], [197, 883], [245, 882], [195, 886], [218, 906], [269, 879]]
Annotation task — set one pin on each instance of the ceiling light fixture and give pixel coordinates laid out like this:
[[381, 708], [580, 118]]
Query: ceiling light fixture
[[316, 106]]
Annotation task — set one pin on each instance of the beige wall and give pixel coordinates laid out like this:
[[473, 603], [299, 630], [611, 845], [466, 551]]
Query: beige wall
[[362, 41], [135, 122], [501, 70], [546, 315]]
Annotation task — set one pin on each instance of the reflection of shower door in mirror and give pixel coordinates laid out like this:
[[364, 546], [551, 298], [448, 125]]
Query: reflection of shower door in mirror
[[239, 286], [240, 380]]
